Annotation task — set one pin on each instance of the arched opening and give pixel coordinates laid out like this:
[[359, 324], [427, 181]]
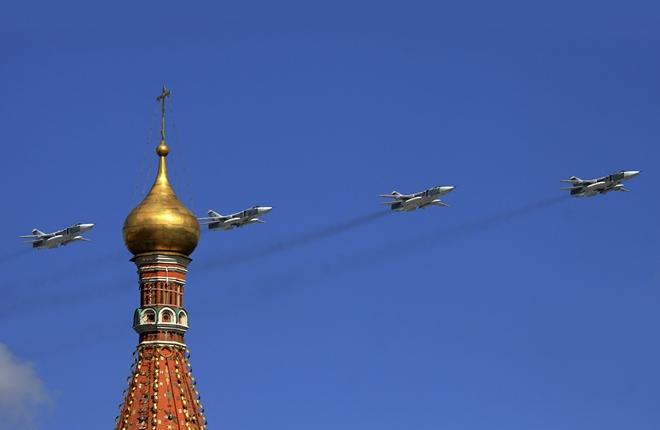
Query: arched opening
[[148, 316], [167, 316], [183, 318]]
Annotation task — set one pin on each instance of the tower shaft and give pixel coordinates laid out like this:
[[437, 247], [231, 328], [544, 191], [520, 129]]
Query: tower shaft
[[161, 393], [161, 316]]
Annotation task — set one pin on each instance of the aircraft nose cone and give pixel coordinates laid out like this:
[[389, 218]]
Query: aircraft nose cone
[[265, 209], [86, 226], [449, 188], [631, 173]]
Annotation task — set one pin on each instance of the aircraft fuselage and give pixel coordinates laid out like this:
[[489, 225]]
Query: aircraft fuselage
[[239, 219], [603, 185], [421, 200], [61, 237]]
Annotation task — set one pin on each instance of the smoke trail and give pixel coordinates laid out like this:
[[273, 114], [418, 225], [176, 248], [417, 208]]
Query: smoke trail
[[480, 224], [283, 283], [13, 255], [27, 302], [70, 271], [288, 281], [35, 303], [272, 286], [285, 245]]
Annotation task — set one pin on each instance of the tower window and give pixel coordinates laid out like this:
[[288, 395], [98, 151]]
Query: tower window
[[166, 316], [148, 316]]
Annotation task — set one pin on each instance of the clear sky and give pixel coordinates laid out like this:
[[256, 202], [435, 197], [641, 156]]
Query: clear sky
[[510, 309]]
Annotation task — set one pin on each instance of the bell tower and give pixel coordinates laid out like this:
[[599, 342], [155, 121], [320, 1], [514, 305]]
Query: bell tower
[[161, 233]]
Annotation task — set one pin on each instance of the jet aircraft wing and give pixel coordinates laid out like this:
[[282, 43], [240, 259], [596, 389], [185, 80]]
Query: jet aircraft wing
[[397, 196], [39, 236], [206, 220]]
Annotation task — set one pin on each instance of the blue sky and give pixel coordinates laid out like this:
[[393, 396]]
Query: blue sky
[[509, 310]]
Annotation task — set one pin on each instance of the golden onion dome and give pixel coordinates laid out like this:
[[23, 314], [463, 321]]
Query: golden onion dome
[[161, 222]]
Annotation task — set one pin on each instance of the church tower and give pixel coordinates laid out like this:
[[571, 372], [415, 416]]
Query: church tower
[[161, 233]]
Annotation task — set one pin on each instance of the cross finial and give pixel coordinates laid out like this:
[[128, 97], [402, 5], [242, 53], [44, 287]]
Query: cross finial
[[161, 98]]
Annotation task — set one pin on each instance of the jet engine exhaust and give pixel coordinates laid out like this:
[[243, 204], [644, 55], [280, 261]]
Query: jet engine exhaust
[[76, 297], [13, 255], [295, 242], [69, 272], [296, 278]]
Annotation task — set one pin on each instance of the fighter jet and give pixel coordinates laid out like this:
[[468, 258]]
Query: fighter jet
[[592, 187], [423, 199], [216, 221], [41, 240]]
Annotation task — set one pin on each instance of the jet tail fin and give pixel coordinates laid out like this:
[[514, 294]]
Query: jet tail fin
[[37, 232], [572, 180], [393, 195], [214, 214]]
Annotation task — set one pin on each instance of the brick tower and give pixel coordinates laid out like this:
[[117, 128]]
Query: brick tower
[[161, 233]]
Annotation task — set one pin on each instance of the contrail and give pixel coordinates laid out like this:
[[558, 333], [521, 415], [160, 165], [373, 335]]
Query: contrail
[[285, 282], [299, 277], [122, 285], [482, 223], [27, 297], [295, 242], [12, 255], [281, 284], [69, 272], [29, 303]]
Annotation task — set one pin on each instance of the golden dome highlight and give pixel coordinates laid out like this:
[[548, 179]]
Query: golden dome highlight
[[161, 222]]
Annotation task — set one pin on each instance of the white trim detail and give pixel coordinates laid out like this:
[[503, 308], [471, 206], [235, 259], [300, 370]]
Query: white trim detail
[[160, 278], [163, 342], [172, 314], [146, 268]]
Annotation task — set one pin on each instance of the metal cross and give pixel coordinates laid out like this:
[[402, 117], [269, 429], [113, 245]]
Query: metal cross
[[161, 98]]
